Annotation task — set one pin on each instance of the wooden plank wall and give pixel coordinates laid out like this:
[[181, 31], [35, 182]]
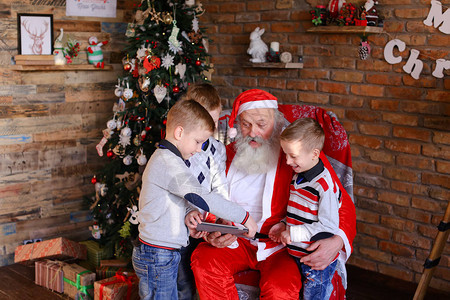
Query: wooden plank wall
[[50, 122]]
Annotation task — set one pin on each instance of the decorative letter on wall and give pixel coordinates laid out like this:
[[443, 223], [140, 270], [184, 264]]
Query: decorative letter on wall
[[413, 64], [389, 51], [441, 64], [436, 14]]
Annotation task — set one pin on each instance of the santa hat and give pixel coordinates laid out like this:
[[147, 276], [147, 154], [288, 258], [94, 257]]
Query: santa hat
[[250, 99]]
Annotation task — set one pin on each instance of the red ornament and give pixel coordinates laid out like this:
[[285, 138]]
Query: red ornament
[[148, 128], [127, 67], [164, 122], [109, 153], [94, 180], [176, 89], [198, 62]]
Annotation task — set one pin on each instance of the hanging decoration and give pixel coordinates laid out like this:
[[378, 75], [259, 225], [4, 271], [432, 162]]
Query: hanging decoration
[[414, 65], [167, 61]]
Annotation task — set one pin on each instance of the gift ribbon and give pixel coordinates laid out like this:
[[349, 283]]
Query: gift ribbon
[[120, 278], [51, 281], [81, 288]]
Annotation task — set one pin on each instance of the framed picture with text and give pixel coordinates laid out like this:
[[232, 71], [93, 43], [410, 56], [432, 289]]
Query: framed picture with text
[[35, 34]]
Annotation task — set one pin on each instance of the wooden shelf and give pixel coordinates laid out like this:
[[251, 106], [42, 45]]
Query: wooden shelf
[[345, 29], [277, 65], [86, 67]]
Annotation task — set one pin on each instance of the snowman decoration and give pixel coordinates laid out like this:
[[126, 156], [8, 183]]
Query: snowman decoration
[[95, 53]]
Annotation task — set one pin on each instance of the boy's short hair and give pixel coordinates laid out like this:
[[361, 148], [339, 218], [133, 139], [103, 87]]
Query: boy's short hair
[[205, 94], [190, 115], [306, 130]]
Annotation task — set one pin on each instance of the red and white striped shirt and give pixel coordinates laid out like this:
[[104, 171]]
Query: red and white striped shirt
[[313, 208]]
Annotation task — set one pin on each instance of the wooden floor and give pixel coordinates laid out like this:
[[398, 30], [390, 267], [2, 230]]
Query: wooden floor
[[17, 283]]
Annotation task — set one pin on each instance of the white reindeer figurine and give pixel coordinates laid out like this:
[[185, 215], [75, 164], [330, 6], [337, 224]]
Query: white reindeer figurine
[[257, 48]]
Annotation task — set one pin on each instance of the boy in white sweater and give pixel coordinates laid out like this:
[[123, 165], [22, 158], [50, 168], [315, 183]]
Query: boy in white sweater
[[169, 192]]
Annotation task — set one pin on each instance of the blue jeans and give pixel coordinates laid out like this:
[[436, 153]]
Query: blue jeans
[[185, 281], [157, 271], [316, 283]]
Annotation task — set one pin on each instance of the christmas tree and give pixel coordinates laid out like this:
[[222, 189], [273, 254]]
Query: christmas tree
[[166, 52]]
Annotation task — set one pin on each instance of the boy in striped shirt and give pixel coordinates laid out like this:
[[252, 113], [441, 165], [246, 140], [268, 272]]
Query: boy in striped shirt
[[312, 212]]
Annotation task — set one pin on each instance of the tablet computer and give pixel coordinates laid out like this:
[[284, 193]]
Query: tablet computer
[[224, 229]]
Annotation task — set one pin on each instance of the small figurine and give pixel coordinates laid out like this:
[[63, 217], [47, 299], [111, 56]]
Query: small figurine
[[95, 54], [96, 231], [258, 48], [371, 12], [334, 7]]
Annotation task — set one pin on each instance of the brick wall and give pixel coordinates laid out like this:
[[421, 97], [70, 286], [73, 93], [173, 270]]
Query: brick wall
[[50, 123], [398, 126]]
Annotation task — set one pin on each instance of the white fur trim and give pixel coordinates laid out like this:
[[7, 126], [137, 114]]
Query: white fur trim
[[257, 104], [232, 132]]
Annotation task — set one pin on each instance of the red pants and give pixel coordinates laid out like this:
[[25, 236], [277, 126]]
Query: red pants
[[214, 269]]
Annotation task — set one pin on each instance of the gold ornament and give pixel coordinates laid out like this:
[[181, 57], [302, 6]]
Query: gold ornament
[[167, 18]]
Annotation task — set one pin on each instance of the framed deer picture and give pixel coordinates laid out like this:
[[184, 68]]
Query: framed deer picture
[[35, 34]]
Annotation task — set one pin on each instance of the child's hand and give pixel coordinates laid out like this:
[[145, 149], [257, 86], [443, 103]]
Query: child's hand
[[286, 236], [275, 232], [252, 227], [191, 220]]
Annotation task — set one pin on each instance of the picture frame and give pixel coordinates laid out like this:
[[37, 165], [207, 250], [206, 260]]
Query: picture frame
[[35, 34]]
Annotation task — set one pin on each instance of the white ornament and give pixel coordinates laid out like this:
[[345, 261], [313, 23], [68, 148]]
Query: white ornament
[[111, 124], [286, 57], [206, 45], [124, 140], [190, 3], [180, 69], [141, 53], [119, 89], [125, 131], [167, 61], [195, 24], [160, 92], [175, 49], [134, 215], [127, 160], [173, 36], [258, 48], [119, 124], [142, 159], [127, 93]]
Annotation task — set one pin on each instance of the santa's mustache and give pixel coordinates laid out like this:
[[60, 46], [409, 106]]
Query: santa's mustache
[[256, 139]]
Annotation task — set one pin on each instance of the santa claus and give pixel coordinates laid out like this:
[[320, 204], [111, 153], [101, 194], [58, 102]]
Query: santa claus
[[259, 179]]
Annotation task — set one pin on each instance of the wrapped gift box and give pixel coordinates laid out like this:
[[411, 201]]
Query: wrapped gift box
[[95, 253], [123, 286], [114, 263], [60, 248], [108, 271], [49, 274], [78, 282]]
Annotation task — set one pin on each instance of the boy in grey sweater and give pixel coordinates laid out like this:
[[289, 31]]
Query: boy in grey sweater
[[169, 192]]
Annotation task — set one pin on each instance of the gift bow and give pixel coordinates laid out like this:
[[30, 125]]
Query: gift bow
[[81, 288], [120, 278]]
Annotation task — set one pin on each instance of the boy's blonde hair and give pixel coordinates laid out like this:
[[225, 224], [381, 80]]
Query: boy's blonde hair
[[205, 94], [305, 130], [190, 115]]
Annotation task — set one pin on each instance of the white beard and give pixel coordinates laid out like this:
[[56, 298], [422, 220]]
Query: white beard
[[256, 160]]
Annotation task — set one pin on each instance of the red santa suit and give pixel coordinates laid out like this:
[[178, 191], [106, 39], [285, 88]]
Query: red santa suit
[[214, 268]]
